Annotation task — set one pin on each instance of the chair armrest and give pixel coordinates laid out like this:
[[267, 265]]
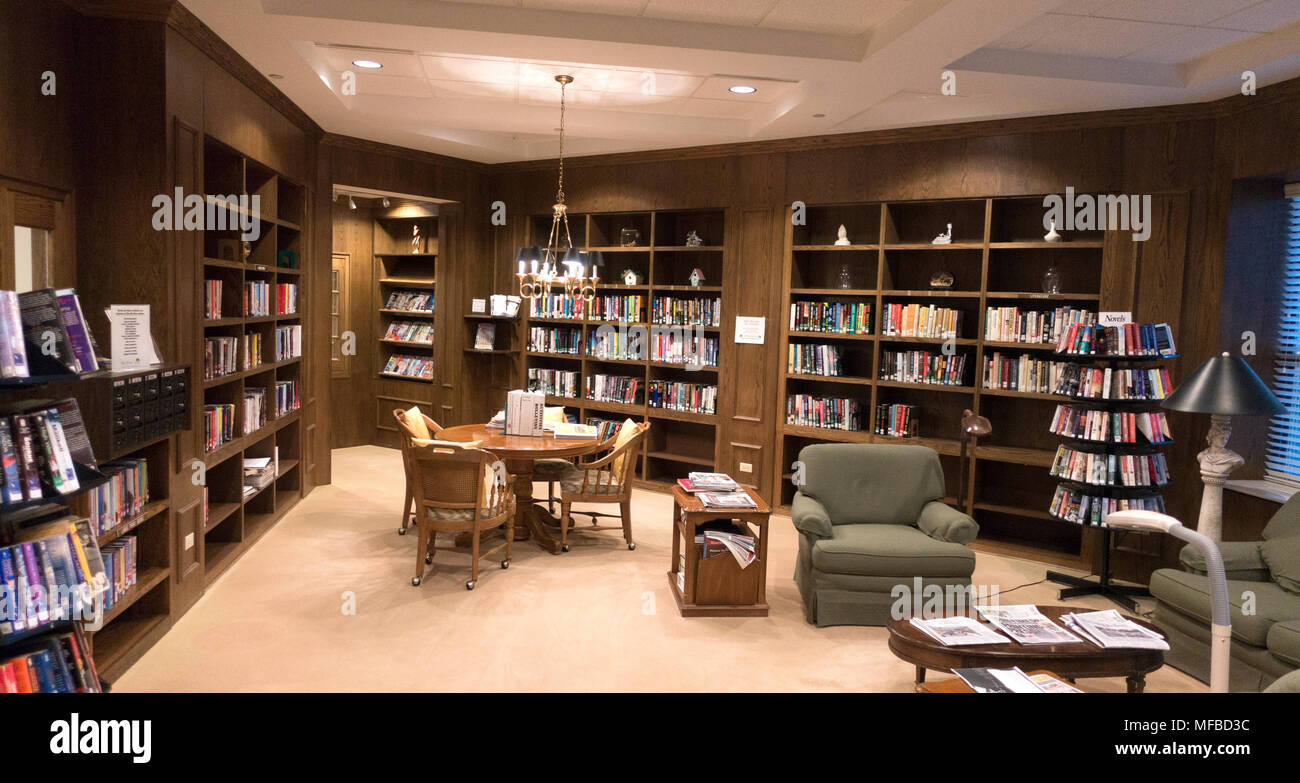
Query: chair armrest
[[809, 516], [1241, 560], [942, 522]]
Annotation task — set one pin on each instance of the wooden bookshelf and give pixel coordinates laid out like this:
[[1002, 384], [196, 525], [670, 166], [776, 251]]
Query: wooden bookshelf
[[679, 441], [404, 264], [997, 258], [230, 522]]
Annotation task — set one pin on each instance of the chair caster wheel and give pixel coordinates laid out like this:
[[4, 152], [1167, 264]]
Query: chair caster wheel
[[401, 531], [428, 559], [415, 582], [564, 548], [505, 564], [631, 545], [470, 584]]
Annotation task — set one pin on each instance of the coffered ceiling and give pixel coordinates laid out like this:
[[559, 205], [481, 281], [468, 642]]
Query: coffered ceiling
[[475, 78]]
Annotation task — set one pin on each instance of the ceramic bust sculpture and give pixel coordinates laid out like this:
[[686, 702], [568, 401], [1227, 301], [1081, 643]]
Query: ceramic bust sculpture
[[843, 236], [1052, 235], [943, 239]]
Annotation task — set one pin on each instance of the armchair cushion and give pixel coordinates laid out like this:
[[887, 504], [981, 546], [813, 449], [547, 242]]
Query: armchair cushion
[[464, 514], [1241, 560], [1190, 595], [945, 523], [1283, 558], [871, 483], [1285, 522], [550, 469], [626, 431], [415, 420], [890, 550], [1284, 641], [809, 516]]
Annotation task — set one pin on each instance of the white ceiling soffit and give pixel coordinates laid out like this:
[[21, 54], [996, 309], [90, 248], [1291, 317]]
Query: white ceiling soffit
[[475, 78]]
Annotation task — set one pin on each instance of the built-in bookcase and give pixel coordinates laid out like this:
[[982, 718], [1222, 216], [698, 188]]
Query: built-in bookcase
[[997, 257], [273, 263], [680, 441], [406, 264]]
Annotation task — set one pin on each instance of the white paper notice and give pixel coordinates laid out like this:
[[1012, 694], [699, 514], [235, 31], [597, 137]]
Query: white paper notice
[[750, 329], [132, 341]]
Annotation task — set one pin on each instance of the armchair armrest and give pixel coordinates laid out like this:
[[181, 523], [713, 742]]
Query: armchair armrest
[[942, 522], [810, 516], [1241, 560]]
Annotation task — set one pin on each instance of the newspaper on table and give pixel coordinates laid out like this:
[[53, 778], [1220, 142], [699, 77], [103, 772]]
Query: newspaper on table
[[983, 680], [959, 631], [1027, 625], [1110, 629]]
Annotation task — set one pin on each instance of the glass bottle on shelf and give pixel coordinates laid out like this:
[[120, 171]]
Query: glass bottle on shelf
[[844, 278], [1052, 281]]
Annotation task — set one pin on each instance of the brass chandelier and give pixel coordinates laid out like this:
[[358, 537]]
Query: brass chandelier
[[539, 269]]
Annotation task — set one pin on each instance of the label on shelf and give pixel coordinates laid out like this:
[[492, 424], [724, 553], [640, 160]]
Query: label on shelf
[[1115, 318]]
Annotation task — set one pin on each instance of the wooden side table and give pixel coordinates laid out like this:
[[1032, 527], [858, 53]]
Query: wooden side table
[[718, 586]]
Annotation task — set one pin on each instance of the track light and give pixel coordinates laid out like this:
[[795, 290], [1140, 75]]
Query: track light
[[385, 202], [351, 204]]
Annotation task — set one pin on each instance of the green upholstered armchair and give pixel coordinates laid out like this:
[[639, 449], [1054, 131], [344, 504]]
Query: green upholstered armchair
[[871, 517]]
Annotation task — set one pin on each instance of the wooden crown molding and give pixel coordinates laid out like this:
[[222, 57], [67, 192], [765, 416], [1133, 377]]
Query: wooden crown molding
[[393, 151], [144, 10]]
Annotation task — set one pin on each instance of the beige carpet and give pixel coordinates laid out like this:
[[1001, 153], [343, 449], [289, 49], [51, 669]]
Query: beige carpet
[[599, 618]]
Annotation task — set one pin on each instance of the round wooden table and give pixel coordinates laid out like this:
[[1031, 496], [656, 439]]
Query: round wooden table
[[1070, 661], [519, 452]]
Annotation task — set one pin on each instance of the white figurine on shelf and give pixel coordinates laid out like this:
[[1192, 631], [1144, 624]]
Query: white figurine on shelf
[[1052, 235], [843, 237], [697, 277], [943, 239], [415, 238]]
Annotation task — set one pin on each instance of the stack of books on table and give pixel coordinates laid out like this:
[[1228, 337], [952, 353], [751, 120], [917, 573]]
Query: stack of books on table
[[717, 490]]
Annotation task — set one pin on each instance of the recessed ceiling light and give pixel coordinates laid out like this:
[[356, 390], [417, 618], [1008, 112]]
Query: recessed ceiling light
[[366, 64], [276, 75], [742, 89], [818, 115]]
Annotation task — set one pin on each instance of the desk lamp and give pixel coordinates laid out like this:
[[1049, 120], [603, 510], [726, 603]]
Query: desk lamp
[[1220, 620]]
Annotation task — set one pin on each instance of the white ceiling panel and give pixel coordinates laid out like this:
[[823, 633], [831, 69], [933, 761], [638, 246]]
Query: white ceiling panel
[[832, 17], [613, 7], [1189, 12], [1035, 30], [1189, 45], [1095, 37], [1263, 17], [732, 12]]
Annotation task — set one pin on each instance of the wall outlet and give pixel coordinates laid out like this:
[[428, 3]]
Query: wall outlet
[[189, 541], [746, 467]]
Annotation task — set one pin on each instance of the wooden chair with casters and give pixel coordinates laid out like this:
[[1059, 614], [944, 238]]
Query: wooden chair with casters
[[460, 489], [604, 480], [412, 424]]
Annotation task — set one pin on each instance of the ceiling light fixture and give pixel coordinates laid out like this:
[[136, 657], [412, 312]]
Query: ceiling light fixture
[[742, 89], [538, 268], [351, 204], [385, 202], [275, 75], [367, 64]]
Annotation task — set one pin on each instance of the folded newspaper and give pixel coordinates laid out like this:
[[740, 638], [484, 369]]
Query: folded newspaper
[[983, 680], [1110, 629], [1027, 625], [959, 631]]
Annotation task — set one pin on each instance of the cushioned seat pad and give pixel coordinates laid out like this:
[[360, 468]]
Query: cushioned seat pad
[[1284, 641], [599, 482], [890, 550], [1190, 594], [551, 469], [462, 514]]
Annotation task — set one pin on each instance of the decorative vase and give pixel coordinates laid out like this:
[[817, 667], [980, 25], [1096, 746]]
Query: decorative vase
[[1051, 281], [844, 279]]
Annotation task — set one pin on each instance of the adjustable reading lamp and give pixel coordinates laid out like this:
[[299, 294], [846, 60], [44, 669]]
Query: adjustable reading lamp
[[1221, 621], [972, 427]]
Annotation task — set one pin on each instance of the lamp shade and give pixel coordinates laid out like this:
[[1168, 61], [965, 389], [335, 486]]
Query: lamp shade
[[1227, 386], [528, 254], [596, 258]]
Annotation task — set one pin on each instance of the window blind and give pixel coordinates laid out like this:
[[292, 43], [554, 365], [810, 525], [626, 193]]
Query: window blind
[[1282, 456]]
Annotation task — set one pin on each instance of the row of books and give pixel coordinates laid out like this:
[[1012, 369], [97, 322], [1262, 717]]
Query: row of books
[[1109, 383], [676, 311], [48, 321], [606, 343], [671, 349], [614, 388], [623, 309], [288, 342], [119, 499], [923, 367], [837, 413], [119, 556], [556, 383], [52, 572], [286, 298], [679, 396], [218, 425], [410, 332], [254, 409], [252, 350], [1076, 506], [555, 339], [815, 359], [410, 366], [220, 356], [917, 320], [1125, 340], [59, 663], [831, 317], [38, 462], [1111, 426], [257, 298], [896, 421], [1110, 470], [556, 306], [212, 307], [605, 428], [1024, 373], [1014, 325], [286, 397], [410, 301]]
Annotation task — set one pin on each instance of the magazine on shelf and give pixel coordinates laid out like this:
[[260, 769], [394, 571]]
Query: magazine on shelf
[[959, 631], [739, 499], [985, 680], [485, 339], [1049, 684], [712, 482], [1027, 625], [1110, 629], [740, 546]]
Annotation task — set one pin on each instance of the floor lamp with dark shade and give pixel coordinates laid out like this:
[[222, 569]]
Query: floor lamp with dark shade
[[1224, 386]]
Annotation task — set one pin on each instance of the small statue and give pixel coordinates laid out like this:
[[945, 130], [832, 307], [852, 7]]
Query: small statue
[[697, 277], [1052, 235], [843, 237], [415, 238], [693, 239], [943, 239], [941, 279], [245, 251]]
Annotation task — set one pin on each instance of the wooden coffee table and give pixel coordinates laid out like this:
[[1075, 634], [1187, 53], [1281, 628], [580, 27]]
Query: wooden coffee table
[[1071, 661]]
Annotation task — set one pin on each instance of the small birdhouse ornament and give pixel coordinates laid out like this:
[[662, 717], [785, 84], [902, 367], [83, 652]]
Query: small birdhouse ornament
[[697, 277]]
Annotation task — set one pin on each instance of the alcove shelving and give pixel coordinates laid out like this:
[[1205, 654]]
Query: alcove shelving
[[406, 243]]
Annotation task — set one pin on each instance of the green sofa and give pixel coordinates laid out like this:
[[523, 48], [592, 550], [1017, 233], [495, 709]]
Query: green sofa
[[1266, 640], [870, 518]]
